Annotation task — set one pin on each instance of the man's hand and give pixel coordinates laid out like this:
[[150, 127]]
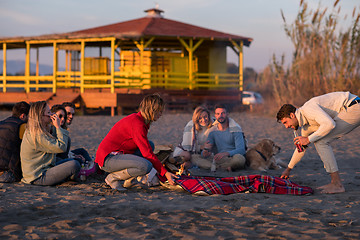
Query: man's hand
[[170, 177], [302, 140], [221, 155], [286, 173]]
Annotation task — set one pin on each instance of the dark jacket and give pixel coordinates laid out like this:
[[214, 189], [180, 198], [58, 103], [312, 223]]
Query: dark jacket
[[10, 146]]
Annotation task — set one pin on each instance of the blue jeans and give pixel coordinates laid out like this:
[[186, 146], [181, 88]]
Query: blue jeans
[[135, 164], [58, 173]]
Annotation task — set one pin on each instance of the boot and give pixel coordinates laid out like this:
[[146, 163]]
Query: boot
[[114, 178], [128, 183], [114, 182]]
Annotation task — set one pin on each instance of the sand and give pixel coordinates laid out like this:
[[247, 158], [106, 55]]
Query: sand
[[91, 210]]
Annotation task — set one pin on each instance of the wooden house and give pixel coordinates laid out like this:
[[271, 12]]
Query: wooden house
[[185, 63]]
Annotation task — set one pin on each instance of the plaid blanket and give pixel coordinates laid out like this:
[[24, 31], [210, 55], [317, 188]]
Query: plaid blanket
[[250, 183]]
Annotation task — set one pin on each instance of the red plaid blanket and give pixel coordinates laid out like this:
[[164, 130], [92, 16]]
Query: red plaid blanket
[[251, 183]]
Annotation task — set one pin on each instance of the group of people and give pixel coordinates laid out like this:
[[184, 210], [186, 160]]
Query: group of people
[[207, 142], [126, 152], [35, 145]]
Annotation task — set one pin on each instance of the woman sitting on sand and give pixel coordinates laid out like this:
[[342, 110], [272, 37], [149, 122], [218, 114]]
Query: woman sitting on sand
[[116, 153], [39, 148], [195, 134]]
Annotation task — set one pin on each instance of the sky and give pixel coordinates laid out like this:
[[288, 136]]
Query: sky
[[257, 19]]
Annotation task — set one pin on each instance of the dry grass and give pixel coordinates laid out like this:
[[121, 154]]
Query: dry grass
[[325, 59]]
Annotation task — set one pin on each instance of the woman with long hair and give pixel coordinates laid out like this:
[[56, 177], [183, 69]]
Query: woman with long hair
[[126, 152], [60, 111], [195, 135], [39, 148]]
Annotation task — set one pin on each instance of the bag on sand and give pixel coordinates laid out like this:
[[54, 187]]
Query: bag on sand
[[88, 168]]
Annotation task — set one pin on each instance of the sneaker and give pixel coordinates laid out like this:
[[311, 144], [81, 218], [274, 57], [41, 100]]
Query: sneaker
[[7, 177]]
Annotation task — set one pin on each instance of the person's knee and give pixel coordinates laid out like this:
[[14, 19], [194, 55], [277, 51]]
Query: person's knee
[[145, 167], [75, 165], [238, 161], [186, 155], [323, 143]]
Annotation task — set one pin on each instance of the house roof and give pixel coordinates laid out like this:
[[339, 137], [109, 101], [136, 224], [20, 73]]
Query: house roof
[[154, 25], [150, 26]]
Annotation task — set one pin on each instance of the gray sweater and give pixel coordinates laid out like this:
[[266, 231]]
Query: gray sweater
[[37, 157]]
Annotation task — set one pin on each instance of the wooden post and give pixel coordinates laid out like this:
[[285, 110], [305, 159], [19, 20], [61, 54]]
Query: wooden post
[[141, 46], [37, 69], [191, 49], [112, 66], [241, 66], [4, 67], [239, 48], [66, 60], [55, 66], [82, 69], [27, 68], [191, 63]]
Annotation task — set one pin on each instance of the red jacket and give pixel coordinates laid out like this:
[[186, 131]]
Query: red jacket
[[126, 136]]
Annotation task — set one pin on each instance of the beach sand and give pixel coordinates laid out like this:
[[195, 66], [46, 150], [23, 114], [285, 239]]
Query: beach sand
[[91, 210]]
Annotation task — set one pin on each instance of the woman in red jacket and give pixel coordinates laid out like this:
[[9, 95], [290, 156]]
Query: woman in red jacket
[[116, 152]]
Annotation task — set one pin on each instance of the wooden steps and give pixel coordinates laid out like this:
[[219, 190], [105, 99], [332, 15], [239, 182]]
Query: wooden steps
[[14, 97], [64, 95]]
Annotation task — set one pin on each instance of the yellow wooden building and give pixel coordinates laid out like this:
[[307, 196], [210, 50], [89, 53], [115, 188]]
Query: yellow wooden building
[[148, 54]]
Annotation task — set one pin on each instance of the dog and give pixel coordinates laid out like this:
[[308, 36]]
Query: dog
[[261, 156]]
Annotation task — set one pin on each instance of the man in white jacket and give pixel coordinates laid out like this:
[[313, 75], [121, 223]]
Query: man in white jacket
[[322, 119]]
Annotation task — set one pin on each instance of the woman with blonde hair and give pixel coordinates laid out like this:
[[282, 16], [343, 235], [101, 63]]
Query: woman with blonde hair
[[195, 135], [126, 152], [39, 148]]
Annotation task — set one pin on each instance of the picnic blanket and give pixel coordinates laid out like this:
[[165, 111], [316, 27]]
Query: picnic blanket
[[249, 183]]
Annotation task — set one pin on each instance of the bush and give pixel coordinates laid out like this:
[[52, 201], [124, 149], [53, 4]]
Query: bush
[[324, 59]]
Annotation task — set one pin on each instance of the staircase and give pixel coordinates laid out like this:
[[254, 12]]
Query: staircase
[[64, 95], [14, 97]]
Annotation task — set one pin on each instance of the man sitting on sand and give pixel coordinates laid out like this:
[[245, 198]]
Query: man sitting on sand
[[226, 141], [70, 112], [79, 153], [11, 133], [322, 119]]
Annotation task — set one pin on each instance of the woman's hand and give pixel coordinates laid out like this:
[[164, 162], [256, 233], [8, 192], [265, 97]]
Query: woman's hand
[[170, 177], [55, 120]]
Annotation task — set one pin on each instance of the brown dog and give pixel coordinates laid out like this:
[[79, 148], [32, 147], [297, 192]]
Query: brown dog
[[261, 156]]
